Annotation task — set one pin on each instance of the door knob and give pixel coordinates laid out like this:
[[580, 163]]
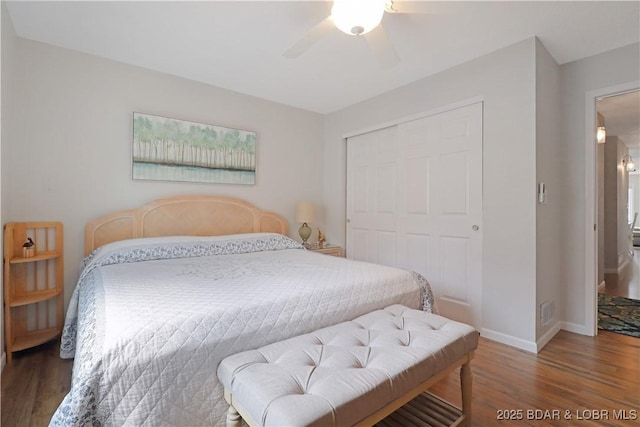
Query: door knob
[[475, 227]]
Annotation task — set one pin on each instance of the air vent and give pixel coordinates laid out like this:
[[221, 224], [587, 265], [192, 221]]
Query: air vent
[[547, 312]]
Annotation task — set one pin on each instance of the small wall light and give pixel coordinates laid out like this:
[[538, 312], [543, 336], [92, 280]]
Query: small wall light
[[628, 163], [601, 134], [601, 131]]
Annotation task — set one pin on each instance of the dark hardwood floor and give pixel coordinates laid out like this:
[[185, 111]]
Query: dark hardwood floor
[[575, 373], [583, 377], [33, 385]]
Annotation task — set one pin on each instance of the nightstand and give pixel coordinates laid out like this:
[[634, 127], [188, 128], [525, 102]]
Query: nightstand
[[328, 250]]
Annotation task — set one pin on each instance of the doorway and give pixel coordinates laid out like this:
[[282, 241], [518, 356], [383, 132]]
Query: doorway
[[619, 194], [590, 203]]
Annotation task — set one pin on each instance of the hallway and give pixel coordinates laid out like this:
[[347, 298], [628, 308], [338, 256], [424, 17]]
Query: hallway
[[628, 283]]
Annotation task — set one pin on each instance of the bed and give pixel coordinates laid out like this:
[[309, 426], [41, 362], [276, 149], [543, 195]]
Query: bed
[[169, 289]]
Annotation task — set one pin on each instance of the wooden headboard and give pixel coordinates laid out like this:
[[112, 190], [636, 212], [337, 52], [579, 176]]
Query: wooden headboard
[[182, 216]]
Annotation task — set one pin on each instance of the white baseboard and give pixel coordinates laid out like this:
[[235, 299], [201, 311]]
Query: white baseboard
[[509, 340], [540, 343], [624, 264], [620, 268], [601, 285], [534, 347], [547, 337], [575, 328], [3, 361], [520, 343]]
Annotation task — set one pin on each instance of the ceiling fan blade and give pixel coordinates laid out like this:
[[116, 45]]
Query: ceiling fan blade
[[382, 47], [309, 39]]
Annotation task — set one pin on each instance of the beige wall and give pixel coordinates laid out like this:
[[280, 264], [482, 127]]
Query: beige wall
[[600, 180], [550, 238], [6, 94], [624, 241], [67, 119], [609, 69], [515, 97], [616, 230], [613, 185], [505, 81], [68, 157], [634, 185]]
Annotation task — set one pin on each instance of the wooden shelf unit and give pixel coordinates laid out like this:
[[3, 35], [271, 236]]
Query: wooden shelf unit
[[38, 257], [33, 286]]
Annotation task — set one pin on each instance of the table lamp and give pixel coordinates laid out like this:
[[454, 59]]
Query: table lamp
[[305, 212]]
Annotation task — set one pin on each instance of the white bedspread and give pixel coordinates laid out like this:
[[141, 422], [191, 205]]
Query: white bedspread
[[151, 319]]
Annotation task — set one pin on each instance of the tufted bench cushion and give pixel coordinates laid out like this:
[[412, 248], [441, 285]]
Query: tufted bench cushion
[[342, 374]]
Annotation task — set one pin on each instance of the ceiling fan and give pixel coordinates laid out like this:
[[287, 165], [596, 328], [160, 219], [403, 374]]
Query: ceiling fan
[[360, 18]]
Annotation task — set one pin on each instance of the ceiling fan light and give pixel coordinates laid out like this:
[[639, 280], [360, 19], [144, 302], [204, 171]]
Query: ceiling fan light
[[357, 17]]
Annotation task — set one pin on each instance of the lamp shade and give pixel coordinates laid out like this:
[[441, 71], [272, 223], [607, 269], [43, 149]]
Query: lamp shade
[[305, 212]]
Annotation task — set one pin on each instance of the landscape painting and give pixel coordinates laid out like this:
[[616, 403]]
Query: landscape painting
[[176, 150]]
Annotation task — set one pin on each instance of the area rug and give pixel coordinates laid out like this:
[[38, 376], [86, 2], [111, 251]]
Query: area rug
[[618, 314]]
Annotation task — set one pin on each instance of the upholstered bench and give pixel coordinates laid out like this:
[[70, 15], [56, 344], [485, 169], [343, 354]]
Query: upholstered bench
[[352, 373]]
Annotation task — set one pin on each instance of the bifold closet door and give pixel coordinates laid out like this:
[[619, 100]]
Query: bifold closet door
[[414, 201], [372, 179]]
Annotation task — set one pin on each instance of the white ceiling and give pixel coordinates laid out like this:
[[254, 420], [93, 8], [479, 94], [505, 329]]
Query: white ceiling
[[238, 45], [622, 117]]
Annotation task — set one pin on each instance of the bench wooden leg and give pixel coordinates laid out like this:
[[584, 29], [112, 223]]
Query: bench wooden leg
[[233, 417], [465, 385]]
